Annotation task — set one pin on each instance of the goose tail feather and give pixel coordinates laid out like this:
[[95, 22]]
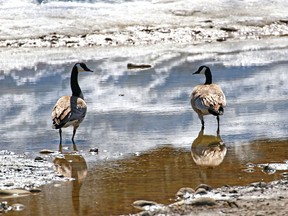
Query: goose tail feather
[[214, 112]]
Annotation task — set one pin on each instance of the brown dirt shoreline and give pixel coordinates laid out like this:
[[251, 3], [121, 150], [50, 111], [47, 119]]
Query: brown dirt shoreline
[[255, 199]]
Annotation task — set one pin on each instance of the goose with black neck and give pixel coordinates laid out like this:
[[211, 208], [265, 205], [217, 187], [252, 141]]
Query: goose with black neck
[[207, 98], [70, 110]]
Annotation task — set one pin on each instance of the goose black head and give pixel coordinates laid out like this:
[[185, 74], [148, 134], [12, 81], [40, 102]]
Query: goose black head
[[202, 70], [206, 71], [81, 67]]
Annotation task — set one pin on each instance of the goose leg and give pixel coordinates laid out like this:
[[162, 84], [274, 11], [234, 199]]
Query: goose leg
[[74, 132], [74, 144], [202, 120], [218, 128], [60, 144]]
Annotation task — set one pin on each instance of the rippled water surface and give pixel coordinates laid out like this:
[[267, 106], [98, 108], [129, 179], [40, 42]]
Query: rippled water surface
[[150, 142]]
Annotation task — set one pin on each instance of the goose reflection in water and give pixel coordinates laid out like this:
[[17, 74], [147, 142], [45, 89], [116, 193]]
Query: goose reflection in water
[[72, 165], [208, 150]]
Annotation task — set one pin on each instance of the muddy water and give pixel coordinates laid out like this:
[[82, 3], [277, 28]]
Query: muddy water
[[150, 142], [109, 188]]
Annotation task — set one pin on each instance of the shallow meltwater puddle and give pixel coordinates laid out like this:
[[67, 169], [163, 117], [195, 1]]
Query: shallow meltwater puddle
[[110, 188]]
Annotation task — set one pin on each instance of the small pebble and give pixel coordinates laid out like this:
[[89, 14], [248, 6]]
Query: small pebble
[[249, 170], [284, 175], [204, 186], [144, 204], [39, 159], [94, 150], [46, 151], [204, 201], [250, 165], [201, 191], [138, 66], [185, 193], [267, 169], [35, 191], [18, 207]]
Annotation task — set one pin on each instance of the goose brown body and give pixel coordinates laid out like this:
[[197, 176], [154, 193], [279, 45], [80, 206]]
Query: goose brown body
[[207, 98], [70, 110]]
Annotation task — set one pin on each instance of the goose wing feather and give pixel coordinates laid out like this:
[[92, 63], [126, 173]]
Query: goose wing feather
[[79, 108], [208, 96], [68, 109]]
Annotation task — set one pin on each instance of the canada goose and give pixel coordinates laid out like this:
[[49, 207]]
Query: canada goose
[[207, 98], [70, 110]]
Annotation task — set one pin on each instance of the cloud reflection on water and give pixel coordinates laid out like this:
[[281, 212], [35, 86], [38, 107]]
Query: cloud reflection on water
[[131, 110]]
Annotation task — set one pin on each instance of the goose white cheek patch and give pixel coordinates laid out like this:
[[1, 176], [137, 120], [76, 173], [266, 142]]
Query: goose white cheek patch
[[203, 70]]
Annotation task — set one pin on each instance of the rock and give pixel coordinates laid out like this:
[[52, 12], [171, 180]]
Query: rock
[[108, 39], [259, 184], [18, 207], [35, 191], [284, 175], [204, 201], [221, 39], [229, 29], [12, 193], [4, 207], [46, 151], [39, 159], [131, 66], [269, 170], [94, 150], [204, 186], [185, 193], [284, 21], [201, 191], [145, 205]]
